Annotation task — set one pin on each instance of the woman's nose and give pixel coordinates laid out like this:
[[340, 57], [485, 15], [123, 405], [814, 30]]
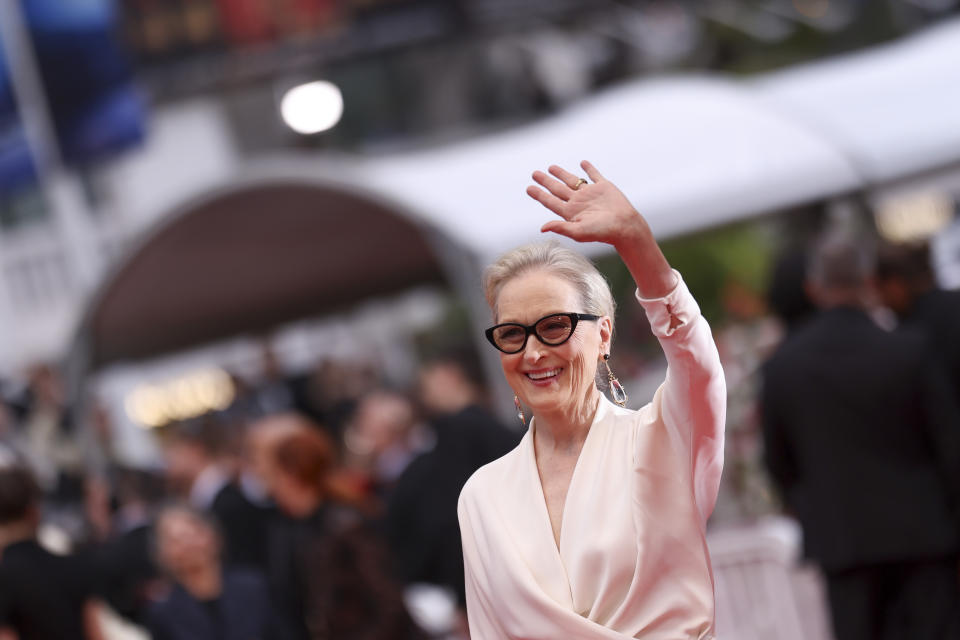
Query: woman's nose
[[533, 350]]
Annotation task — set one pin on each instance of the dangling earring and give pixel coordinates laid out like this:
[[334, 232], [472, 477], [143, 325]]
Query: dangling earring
[[616, 389], [516, 403]]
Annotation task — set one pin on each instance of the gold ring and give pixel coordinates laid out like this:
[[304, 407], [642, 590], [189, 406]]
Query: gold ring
[[580, 181]]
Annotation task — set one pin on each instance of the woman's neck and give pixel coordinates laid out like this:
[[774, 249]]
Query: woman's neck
[[204, 582], [566, 428], [305, 503]]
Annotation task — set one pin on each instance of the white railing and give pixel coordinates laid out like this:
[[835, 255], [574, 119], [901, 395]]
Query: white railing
[[35, 263], [41, 296], [763, 591], [35, 270]]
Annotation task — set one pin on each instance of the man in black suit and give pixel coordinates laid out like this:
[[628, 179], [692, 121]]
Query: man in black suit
[[194, 455], [421, 521], [863, 437], [42, 596], [907, 285]]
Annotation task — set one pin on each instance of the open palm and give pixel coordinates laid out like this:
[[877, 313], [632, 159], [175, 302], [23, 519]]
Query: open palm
[[594, 211]]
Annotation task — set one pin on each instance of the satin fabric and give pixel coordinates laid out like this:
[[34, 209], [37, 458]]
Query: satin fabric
[[632, 560]]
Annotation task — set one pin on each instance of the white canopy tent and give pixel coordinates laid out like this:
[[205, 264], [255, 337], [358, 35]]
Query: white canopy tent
[[697, 151], [893, 110], [689, 152]]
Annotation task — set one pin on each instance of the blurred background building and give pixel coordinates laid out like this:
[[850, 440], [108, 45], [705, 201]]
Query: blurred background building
[[197, 195]]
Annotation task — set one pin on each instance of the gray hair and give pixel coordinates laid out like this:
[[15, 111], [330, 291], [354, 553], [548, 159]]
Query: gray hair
[[554, 258], [839, 261]]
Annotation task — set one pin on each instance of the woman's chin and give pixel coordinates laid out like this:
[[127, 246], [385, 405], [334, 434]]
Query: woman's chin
[[546, 399], [557, 400]]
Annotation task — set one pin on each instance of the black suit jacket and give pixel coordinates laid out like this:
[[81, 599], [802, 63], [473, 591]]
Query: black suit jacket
[[124, 568], [937, 315], [245, 526], [421, 521], [42, 595], [863, 436], [243, 612]]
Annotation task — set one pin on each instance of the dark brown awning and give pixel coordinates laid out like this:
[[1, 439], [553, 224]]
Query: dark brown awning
[[248, 260]]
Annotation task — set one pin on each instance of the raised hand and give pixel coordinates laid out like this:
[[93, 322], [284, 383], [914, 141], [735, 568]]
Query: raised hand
[[594, 211], [597, 211]]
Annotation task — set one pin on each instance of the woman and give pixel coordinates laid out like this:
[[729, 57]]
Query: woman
[[593, 527], [204, 600], [327, 567]]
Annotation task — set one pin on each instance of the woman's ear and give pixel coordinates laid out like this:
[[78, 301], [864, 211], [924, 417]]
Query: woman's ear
[[606, 334]]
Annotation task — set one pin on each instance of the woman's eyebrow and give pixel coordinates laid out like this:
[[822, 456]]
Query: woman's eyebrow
[[535, 320]]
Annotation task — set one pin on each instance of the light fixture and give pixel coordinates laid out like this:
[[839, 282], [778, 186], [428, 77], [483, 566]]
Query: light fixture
[[155, 405], [313, 107], [914, 216]]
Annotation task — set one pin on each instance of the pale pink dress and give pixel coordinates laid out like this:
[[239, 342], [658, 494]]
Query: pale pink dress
[[632, 561]]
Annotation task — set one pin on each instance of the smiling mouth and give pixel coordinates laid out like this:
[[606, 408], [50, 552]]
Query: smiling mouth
[[543, 376]]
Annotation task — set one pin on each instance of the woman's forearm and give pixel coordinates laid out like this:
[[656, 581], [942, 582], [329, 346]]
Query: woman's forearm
[[642, 255]]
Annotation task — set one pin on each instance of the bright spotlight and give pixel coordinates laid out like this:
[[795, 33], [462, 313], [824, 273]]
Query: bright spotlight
[[312, 107]]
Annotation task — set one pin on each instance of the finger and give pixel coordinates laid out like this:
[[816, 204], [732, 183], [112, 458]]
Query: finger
[[592, 172], [563, 228], [548, 200], [555, 187], [565, 176]]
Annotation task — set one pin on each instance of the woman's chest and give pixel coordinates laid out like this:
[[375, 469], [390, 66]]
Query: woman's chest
[[611, 511], [555, 472]]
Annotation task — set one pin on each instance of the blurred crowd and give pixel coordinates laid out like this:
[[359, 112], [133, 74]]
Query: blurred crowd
[[322, 506]]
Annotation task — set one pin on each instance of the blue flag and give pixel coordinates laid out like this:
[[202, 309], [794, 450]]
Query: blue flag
[[96, 109]]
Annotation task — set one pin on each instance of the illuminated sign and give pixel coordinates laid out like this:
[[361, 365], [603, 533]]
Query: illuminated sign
[[914, 216], [197, 393]]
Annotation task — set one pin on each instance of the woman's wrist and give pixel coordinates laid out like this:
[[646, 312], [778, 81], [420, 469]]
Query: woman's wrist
[[635, 231]]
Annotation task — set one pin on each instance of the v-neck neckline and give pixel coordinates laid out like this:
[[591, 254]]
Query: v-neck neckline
[[558, 540]]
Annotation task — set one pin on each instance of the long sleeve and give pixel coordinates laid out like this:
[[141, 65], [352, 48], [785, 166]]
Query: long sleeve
[[693, 397]]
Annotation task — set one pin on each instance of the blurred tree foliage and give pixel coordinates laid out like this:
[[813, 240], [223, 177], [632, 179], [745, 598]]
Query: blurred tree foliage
[[709, 261], [733, 51]]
